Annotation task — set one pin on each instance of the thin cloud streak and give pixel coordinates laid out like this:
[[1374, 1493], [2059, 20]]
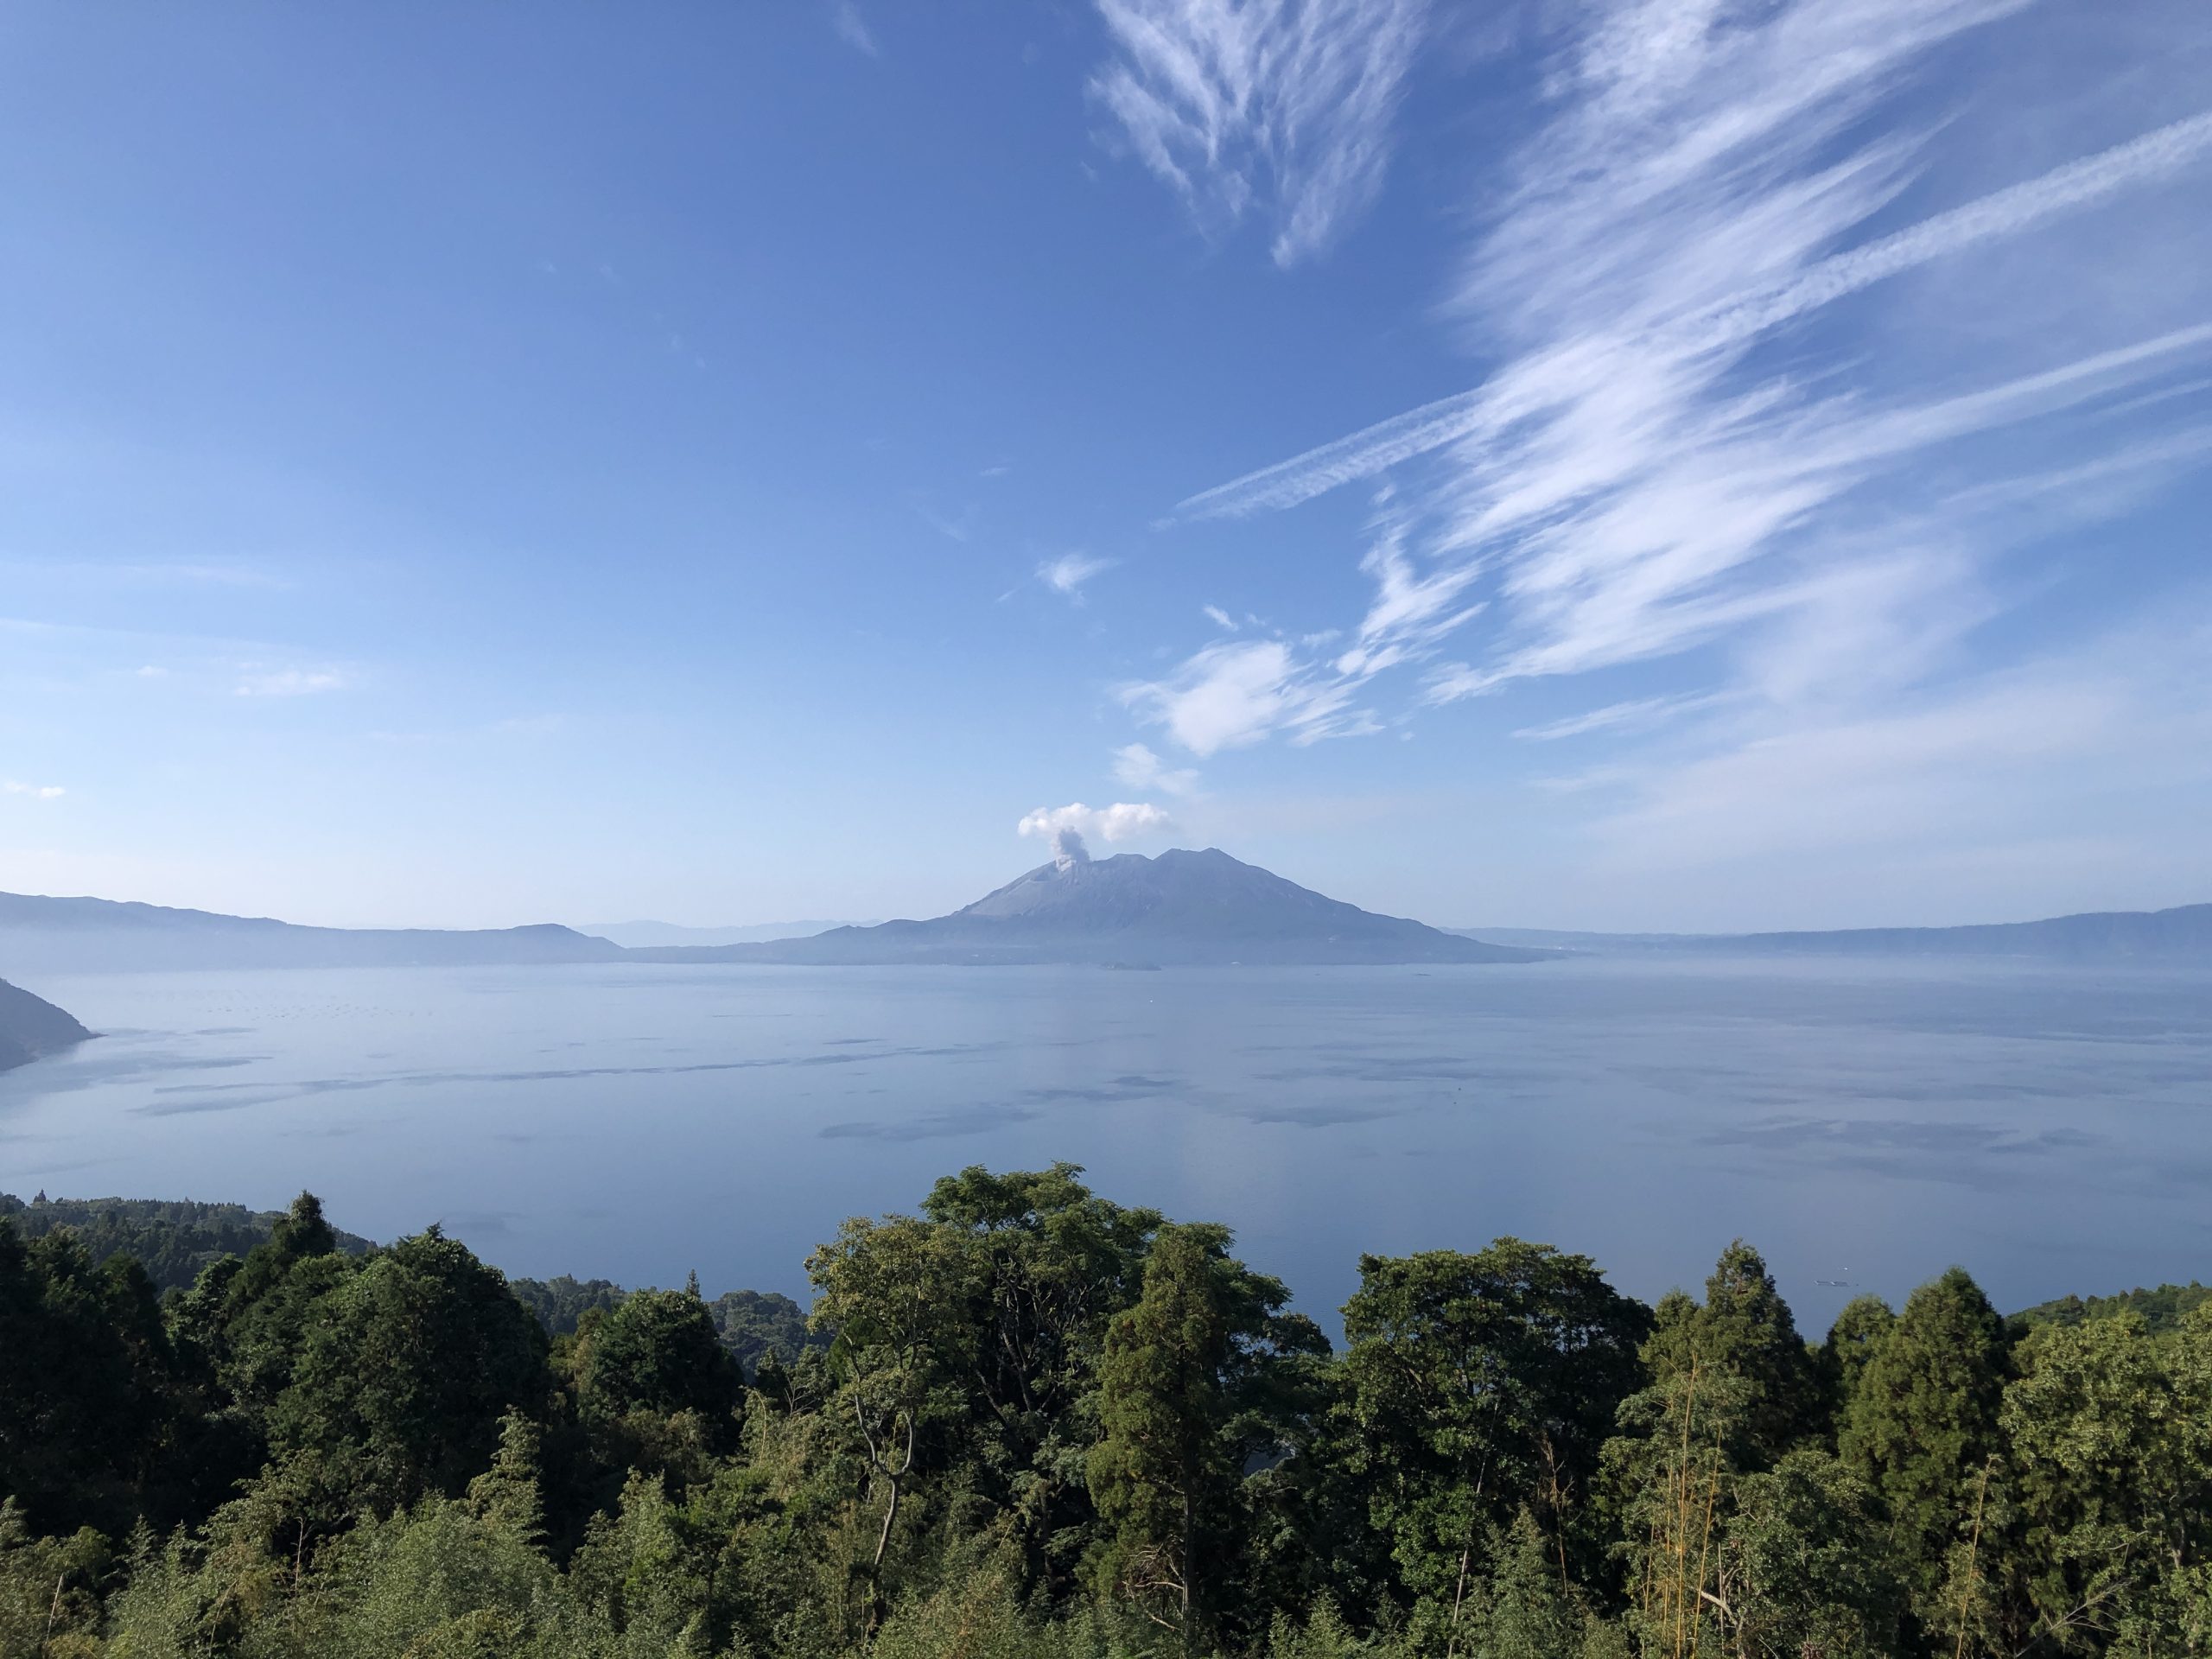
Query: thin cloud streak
[[1378, 448], [1638, 715]]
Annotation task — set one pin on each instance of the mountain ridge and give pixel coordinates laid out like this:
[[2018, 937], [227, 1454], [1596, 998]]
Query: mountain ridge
[[84, 935], [2182, 932]]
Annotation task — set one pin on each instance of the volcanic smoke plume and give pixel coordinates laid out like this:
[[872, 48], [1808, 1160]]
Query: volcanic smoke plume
[[1065, 825]]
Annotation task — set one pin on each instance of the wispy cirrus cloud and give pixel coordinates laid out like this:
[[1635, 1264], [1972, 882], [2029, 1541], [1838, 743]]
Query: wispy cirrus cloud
[[1279, 108], [1634, 715], [852, 28], [1066, 575], [1680, 443], [289, 682], [37, 792], [1135, 767], [1237, 693]]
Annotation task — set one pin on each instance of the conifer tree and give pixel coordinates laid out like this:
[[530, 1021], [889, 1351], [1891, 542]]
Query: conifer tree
[[1194, 1389], [1858, 1330], [1159, 1473], [1923, 1420]]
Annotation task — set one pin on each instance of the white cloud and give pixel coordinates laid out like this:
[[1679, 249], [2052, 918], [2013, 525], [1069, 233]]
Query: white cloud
[[1122, 820], [1066, 575], [1669, 453], [37, 792], [1233, 694], [289, 682], [1219, 618], [1281, 106], [1136, 766], [852, 29]]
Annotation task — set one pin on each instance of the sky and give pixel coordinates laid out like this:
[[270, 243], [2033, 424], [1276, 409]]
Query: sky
[[1595, 463]]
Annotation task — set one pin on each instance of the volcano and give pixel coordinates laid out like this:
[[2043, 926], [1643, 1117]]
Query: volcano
[[1181, 908]]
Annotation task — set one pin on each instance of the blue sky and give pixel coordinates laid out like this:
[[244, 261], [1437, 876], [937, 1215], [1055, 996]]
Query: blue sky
[[1596, 464]]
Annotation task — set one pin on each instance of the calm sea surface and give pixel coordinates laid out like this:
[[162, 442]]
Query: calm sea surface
[[2050, 1129]]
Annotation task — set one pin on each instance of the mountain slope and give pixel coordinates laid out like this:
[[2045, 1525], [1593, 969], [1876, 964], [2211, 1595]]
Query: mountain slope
[[99, 935], [653, 936], [1181, 908], [2183, 934], [31, 1026]]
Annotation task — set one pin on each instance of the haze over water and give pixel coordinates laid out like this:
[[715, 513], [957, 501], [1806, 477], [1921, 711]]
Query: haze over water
[[2048, 1127]]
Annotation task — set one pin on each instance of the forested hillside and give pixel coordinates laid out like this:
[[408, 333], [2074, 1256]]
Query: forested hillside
[[1045, 1424], [172, 1240]]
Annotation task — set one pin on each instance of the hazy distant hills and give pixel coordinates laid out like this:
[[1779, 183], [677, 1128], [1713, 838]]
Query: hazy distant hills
[[61, 936], [1179, 908], [2178, 935], [1186, 908], [31, 1026], [654, 935]]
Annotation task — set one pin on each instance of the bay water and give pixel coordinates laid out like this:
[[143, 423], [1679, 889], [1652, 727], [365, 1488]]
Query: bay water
[[1865, 1124]]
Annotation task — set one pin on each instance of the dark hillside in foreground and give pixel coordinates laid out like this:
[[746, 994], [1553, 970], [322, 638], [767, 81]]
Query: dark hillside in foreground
[[1181, 908], [172, 1239], [31, 1026]]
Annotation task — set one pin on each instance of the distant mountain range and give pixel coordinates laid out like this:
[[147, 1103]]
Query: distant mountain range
[[1181, 908], [2181, 934], [653, 935], [64, 936], [30, 1028]]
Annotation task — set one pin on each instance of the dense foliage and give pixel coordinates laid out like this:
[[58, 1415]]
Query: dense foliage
[[1029, 1422], [2162, 1307], [173, 1240]]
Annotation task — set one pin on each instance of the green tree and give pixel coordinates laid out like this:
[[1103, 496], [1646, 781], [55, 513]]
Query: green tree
[[1476, 1387], [1049, 1264], [2106, 1431], [410, 1366], [1526, 1611], [1923, 1423], [1669, 1481], [1745, 1330], [899, 1294], [1184, 1389], [1852, 1340], [1806, 1568], [86, 1383], [658, 1350], [49, 1588]]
